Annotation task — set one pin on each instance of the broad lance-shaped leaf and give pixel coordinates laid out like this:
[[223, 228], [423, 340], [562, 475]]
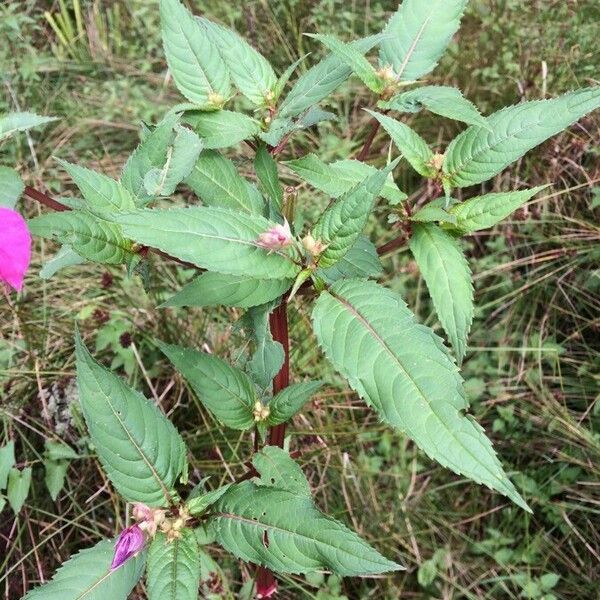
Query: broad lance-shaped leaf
[[140, 450], [341, 176], [448, 277], [439, 99], [173, 569], [216, 239], [195, 62], [355, 59], [21, 121], [485, 211], [342, 223], [11, 187], [419, 32], [216, 289], [150, 154], [278, 470], [321, 80], [361, 261], [227, 392], [279, 527], [222, 128], [412, 146], [402, 369], [478, 154], [65, 257], [87, 576], [265, 167], [101, 192], [250, 71], [179, 162], [7, 462], [290, 400], [216, 182], [89, 236]]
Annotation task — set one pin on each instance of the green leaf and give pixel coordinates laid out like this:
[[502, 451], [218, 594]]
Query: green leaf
[[150, 154], [180, 160], [59, 451], [269, 355], [250, 71], [441, 100], [200, 504], [21, 121], [285, 77], [65, 257], [18, 488], [140, 450], [87, 576], [478, 154], [215, 180], [485, 211], [278, 470], [11, 187], [90, 236], [360, 261], [339, 177], [213, 582], [7, 462], [419, 33], [101, 192], [403, 371], [266, 171], [215, 289], [321, 80], [225, 391], [343, 221], [173, 570], [290, 400], [412, 146], [222, 128], [54, 478], [198, 69], [281, 529], [434, 211], [448, 276], [223, 240], [355, 59]]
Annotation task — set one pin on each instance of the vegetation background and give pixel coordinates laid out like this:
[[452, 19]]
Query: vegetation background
[[534, 365]]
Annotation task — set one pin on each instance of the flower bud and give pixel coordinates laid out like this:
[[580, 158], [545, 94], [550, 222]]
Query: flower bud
[[261, 412], [275, 238], [130, 542], [315, 247]]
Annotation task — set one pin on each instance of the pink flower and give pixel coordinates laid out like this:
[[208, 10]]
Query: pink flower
[[130, 542], [15, 248], [276, 238], [266, 589]]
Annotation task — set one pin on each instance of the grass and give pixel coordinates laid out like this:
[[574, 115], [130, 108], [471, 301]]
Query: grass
[[532, 372]]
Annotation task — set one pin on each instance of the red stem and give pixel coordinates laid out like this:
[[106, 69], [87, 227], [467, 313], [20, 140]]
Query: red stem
[[364, 153], [265, 580]]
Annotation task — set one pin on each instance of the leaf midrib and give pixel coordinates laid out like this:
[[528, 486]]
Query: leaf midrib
[[379, 339]]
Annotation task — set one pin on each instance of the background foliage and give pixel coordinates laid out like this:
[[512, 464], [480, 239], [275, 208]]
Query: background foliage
[[532, 372]]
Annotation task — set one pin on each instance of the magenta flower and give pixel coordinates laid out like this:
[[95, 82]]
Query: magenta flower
[[15, 248], [130, 542], [266, 589], [275, 238]]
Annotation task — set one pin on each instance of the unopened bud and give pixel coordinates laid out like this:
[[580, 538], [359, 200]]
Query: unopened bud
[[315, 247], [130, 542], [216, 100], [261, 412], [275, 238], [387, 73], [437, 161]]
